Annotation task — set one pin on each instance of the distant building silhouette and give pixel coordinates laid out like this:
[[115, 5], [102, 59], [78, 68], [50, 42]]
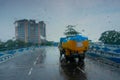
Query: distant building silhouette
[[30, 31]]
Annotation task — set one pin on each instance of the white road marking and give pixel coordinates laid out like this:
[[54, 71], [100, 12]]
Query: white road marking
[[81, 69], [37, 58], [35, 62], [30, 71]]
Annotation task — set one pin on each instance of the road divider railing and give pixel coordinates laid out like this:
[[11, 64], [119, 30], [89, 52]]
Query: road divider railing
[[110, 54], [6, 55]]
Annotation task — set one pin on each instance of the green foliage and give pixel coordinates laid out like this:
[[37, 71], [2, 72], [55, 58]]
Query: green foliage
[[2, 46], [10, 45], [47, 43], [16, 44], [20, 44], [70, 31], [110, 37]]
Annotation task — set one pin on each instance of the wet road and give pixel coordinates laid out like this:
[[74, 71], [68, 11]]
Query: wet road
[[43, 64]]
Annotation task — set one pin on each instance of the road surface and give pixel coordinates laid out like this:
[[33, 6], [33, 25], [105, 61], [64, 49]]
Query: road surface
[[44, 64]]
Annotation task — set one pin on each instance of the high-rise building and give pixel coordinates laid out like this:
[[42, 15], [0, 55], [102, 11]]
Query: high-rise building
[[30, 31]]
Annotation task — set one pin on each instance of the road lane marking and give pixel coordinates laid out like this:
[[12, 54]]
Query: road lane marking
[[35, 62], [30, 71], [37, 58], [80, 69]]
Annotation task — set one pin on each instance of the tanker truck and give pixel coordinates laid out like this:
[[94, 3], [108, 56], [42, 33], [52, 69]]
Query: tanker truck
[[73, 47]]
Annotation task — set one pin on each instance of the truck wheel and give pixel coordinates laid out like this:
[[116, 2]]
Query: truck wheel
[[81, 59], [67, 58]]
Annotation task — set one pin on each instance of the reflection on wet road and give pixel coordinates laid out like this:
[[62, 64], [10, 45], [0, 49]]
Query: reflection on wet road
[[73, 71], [43, 64]]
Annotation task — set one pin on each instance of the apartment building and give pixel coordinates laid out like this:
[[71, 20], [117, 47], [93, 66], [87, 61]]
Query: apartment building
[[30, 31]]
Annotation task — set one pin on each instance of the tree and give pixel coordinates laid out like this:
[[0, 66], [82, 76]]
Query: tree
[[70, 31], [14, 44], [2, 46], [9, 44], [21, 44], [110, 37]]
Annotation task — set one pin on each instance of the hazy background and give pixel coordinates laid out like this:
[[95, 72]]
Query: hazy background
[[90, 16]]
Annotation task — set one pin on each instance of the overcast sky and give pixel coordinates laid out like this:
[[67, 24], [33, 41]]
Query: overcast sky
[[92, 16]]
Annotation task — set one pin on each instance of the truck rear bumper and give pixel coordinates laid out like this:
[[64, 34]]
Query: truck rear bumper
[[76, 55]]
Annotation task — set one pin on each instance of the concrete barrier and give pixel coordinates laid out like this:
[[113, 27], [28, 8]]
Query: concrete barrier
[[106, 57], [6, 55]]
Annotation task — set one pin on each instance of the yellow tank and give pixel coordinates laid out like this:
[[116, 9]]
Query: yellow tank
[[79, 47], [74, 47]]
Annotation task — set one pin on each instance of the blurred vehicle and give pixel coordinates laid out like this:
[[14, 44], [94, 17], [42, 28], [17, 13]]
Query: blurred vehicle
[[73, 47]]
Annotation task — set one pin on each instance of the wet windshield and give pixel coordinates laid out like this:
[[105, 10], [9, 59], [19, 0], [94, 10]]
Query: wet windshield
[[59, 39]]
